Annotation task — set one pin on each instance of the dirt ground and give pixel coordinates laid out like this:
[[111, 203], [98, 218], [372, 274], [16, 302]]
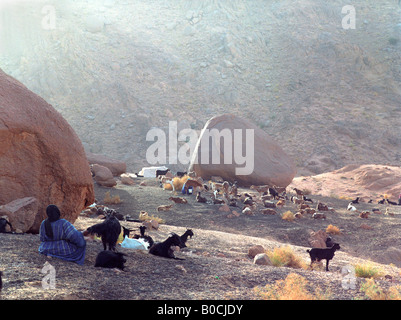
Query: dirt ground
[[216, 264]]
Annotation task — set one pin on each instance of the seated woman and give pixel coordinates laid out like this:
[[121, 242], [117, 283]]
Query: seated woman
[[60, 239]]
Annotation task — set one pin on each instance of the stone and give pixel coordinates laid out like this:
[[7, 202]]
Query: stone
[[103, 176], [127, 180], [254, 250], [116, 167], [317, 239], [224, 208], [267, 165], [268, 211], [262, 259], [41, 156], [21, 213]]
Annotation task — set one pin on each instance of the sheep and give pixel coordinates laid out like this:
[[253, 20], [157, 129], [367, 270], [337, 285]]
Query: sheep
[[200, 199], [163, 249], [164, 207], [307, 199], [110, 259], [184, 237], [388, 212], [296, 200], [248, 200], [321, 207], [260, 189], [317, 254], [216, 200], [232, 202], [234, 189], [109, 231], [178, 199], [298, 192], [272, 192], [318, 215]]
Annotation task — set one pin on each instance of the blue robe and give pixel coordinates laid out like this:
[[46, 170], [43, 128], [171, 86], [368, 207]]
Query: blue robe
[[67, 243]]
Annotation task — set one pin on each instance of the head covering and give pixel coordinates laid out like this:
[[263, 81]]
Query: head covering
[[53, 214]]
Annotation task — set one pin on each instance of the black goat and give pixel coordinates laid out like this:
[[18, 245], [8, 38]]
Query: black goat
[[317, 254], [110, 259], [109, 230], [355, 201], [3, 225], [181, 174], [148, 239], [272, 192], [163, 249], [161, 172], [307, 199], [126, 232], [329, 242], [184, 238], [200, 199]]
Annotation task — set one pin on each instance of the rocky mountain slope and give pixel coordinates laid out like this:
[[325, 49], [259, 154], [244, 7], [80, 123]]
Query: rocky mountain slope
[[115, 69]]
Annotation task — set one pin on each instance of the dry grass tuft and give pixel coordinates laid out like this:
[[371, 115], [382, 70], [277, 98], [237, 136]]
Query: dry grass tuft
[[108, 199], [375, 292], [367, 270], [333, 230], [288, 216], [285, 257], [293, 287]]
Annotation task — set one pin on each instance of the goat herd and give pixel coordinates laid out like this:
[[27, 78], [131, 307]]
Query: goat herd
[[109, 231]]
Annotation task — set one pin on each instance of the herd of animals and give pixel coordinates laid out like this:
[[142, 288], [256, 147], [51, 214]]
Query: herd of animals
[[110, 229], [221, 192]]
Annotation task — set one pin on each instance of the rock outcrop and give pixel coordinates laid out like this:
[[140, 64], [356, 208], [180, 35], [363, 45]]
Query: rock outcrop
[[21, 213], [103, 176], [245, 153], [116, 167], [40, 154]]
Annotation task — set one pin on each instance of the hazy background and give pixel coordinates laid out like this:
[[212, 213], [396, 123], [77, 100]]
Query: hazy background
[[115, 69]]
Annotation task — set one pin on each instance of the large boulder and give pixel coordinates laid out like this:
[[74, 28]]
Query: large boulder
[[265, 164], [103, 176], [21, 213], [117, 167], [40, 154]]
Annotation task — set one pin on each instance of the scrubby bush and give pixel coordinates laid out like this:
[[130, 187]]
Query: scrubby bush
[[285, 257], [375, 292], [288, 216], [367, 270], [333, 230], [293, 287]]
